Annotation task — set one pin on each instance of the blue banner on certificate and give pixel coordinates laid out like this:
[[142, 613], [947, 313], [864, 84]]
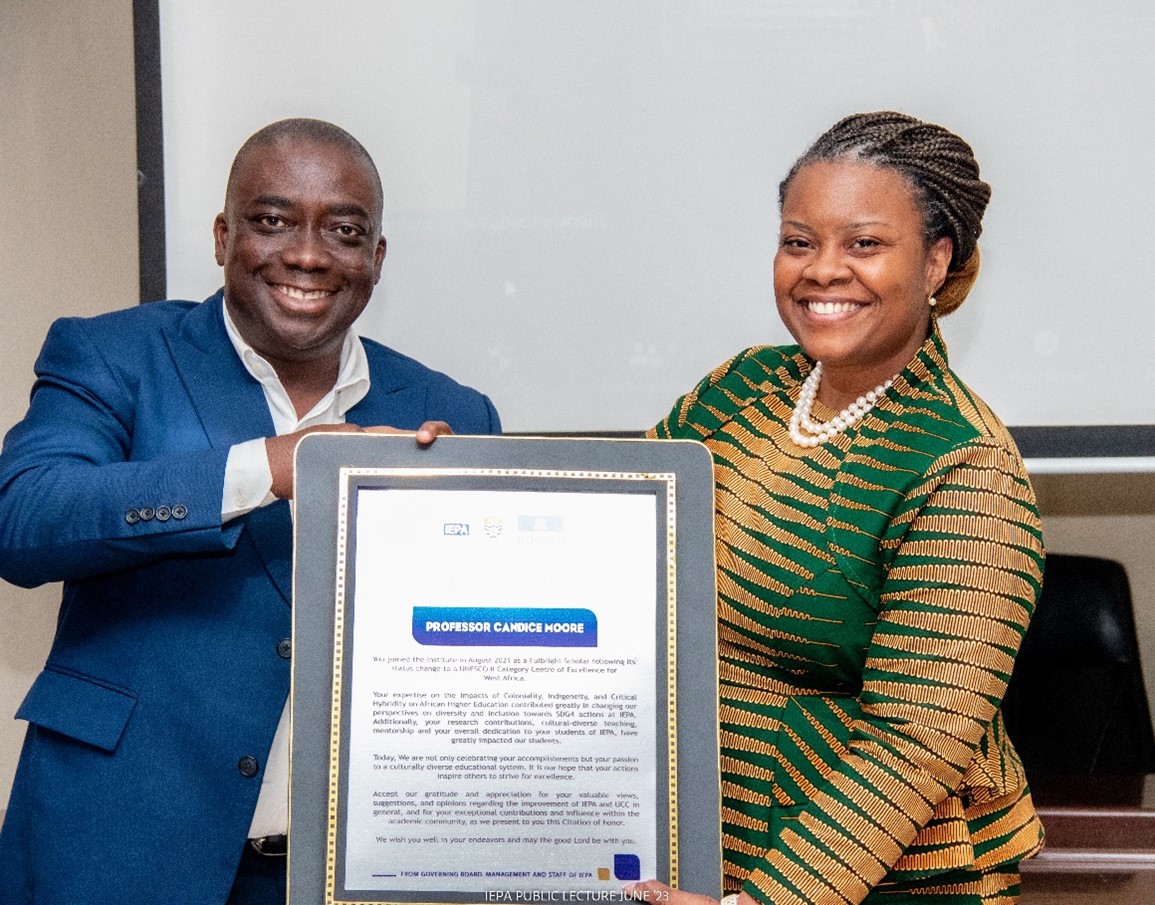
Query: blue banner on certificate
[[505, 626]]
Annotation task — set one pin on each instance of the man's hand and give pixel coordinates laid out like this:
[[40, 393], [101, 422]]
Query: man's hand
[[280, 450], [426, 434]]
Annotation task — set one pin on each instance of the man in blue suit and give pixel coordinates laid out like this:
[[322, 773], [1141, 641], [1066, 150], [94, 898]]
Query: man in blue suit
[[152, 475]]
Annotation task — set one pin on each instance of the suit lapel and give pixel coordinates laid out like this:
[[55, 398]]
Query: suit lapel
[[232, 408], [389, 401], [229, 401]]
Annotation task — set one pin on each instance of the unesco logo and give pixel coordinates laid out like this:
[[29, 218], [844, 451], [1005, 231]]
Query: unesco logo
[[456, 529]]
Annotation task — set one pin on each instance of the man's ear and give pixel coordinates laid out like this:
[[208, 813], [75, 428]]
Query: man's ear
[[378, 259], [220, 237]]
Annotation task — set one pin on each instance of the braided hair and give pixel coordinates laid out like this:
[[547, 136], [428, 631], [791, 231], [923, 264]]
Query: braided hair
[[938, 165]]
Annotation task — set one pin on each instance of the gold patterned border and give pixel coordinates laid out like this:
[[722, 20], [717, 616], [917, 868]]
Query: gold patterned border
[[347, 478]]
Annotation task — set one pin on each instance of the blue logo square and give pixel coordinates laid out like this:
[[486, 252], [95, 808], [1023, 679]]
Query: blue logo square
[[627, 867]]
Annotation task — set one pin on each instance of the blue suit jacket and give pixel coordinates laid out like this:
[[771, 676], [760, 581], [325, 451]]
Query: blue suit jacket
[[167, 668]]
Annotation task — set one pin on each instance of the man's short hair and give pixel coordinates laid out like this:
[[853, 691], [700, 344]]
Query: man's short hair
[[317, 131]]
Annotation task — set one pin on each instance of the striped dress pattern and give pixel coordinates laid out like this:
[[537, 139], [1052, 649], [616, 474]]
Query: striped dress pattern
[[872, 594]]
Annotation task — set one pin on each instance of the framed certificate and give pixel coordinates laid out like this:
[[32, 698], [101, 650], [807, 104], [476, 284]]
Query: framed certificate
[[504, 670]]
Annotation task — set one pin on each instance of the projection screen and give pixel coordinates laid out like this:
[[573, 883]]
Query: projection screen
[[582, 196]]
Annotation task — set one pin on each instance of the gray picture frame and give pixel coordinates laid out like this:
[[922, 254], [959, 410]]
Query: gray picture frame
[[331, 469]]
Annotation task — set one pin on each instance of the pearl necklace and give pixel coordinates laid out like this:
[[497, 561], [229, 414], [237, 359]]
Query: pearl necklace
[[806, 433]]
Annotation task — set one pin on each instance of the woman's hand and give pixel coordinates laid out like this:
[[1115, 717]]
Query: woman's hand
[[654, 892]]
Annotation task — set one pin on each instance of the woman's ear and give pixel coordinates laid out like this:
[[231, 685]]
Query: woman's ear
[[937, 263]]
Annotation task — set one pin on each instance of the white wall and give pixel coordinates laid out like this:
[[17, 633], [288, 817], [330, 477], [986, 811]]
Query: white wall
[[68, 242]]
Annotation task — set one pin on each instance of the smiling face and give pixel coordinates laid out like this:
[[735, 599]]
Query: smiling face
[[853, 273], [301, 246]]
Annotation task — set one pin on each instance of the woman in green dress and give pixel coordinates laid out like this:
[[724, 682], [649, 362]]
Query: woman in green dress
[[879, 550]]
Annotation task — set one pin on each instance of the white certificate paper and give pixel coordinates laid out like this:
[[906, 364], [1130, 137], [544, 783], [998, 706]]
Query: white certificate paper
[[502, 705]]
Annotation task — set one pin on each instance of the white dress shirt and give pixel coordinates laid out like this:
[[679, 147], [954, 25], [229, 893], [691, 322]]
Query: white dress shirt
[[248, 484]]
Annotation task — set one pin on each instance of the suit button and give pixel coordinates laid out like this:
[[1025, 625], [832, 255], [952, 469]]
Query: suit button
[[284, 648], [132, 516], [179, 511], [163, 513], [248, 766], [146, 514]]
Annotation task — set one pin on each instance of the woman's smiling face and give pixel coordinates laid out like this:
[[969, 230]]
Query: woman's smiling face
[[853, 272]]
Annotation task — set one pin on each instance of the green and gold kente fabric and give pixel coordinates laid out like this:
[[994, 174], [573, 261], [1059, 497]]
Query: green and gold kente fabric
[[872, 594]]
